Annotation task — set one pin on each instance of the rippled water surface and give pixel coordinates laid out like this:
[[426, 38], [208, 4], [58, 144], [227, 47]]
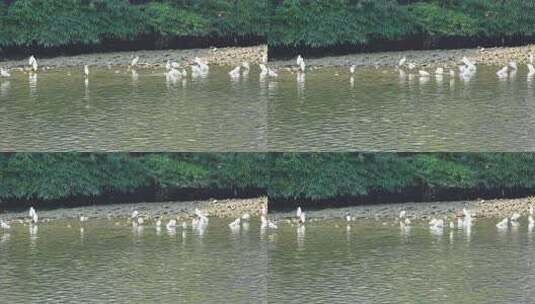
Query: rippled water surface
[[326, 262], [324, 110]]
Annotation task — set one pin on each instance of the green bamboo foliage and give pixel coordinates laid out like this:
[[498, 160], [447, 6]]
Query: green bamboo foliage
[[296, 23], [281, 175]]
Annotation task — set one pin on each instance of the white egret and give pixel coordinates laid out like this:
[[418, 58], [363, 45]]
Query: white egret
[[4, 225], [531, 59], [171, 224], [83, 218], [423, 73], [300, 63], [4, 73], [436, 223], [134, 61], [263, 69], [235, 73], [272, 73], [502, 72], [352, 69], [469, 64], [135, 214], [32, 62], [267, 223], [202, 217], [302, 218], [348, 217], [503, 224], [86, 71], [402, 214], [402, 61], [33, 215], [203, 66], [531, 70], [531, 210], [235, 224], [298, 212]]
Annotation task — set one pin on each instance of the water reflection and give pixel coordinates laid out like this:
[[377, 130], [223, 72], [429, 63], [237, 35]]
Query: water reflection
[[388, 110]]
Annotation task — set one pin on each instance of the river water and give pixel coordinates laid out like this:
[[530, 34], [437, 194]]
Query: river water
[[323, 111], [368, 262]]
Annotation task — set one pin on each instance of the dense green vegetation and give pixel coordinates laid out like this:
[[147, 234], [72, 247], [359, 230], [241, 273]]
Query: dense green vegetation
[[281, 175], [294, 23]]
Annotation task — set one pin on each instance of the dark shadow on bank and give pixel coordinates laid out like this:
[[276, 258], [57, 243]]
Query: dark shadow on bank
[[141, 43], [155, 194], [410, 43]]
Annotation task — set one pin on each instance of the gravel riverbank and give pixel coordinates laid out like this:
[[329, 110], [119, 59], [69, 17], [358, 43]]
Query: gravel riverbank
[[497, 208], [152, 58], [254, 55], [427, 58], [232, 208]]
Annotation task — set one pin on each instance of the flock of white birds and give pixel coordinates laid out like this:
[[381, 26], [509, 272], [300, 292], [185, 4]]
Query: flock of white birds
[[200, 221], [175, 71]]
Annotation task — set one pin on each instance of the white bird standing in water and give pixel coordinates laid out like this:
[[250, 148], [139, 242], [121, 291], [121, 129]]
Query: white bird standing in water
[[201, 216], [402, 62], [502, 72], [235, 73], [4, 73], [263, 70], [352, 69], [202, 65], [171, 224], [135, 214], [267, 223], [348, 217], [32, 62], [531, 210], [402, 214], [86, 71], [272, 73], [469, 64], [235, 224], [302, 218], [83, 218], [134, 61], [300, 63], [423, 73], [531, 70], [503, 224], [33, 215], [436, 223], [298, 212], [4, 225]]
